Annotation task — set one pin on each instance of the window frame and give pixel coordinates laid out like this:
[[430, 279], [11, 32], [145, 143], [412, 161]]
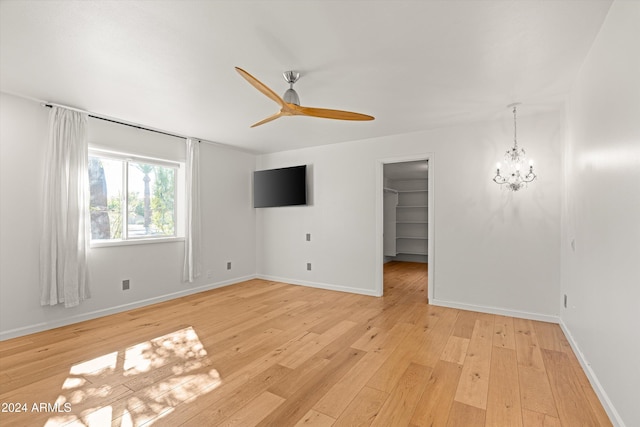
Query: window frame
[[126, 159]]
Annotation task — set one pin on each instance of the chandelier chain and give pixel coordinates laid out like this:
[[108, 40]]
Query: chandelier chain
[[515, 135]]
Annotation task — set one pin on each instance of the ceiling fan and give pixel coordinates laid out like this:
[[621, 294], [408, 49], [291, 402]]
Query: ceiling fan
[[290, 102]]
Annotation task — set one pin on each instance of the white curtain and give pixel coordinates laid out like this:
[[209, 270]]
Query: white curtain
[[64, 277], [192, 252]]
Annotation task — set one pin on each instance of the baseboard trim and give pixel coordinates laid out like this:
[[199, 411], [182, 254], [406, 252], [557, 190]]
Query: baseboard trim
[[44, 326], [496, 310], [326, 286], [593, 379]]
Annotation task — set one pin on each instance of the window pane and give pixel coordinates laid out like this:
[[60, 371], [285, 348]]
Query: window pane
[[151, 207], [105, 180]]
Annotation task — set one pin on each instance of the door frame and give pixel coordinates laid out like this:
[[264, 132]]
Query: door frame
[[379, 252]]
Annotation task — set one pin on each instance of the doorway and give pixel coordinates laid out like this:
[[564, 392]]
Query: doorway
[[405, 226]]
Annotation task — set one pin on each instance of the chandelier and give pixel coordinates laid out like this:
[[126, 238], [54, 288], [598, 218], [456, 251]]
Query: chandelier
[[515, 158]]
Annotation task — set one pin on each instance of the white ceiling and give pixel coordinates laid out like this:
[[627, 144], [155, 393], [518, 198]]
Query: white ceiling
[[413, 65]]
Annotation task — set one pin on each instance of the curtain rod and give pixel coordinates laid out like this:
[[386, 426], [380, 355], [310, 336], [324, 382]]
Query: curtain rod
[[133, 125], [50, 105]]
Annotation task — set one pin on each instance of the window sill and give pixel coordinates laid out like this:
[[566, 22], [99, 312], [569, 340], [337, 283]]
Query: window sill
[[111, 243]]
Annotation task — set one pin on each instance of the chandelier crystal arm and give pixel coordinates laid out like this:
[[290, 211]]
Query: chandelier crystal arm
[[530, 176]]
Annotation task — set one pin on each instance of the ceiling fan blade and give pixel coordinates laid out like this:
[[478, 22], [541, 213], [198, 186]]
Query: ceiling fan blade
[[289, 109], [268, 119], [260, 86], [328, 114]]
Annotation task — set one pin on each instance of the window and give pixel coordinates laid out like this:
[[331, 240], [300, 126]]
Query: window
[[132, 197]]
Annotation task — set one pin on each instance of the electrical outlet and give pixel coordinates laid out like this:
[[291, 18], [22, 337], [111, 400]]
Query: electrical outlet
[[308, 237], [565, 300], [125, 285], [229, 265], [209, 274], [309, 266]]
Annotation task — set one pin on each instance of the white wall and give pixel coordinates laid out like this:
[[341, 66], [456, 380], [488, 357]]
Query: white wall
[[601, 211], [154, 269], [493, 249]]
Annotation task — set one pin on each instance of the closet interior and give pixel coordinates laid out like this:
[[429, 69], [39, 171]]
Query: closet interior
[[406, 211]]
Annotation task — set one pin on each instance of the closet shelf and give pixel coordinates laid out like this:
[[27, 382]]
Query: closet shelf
[[408, 209]]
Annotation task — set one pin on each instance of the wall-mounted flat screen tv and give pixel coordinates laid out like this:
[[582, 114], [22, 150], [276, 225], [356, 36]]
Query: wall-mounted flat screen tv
[[280, 187]]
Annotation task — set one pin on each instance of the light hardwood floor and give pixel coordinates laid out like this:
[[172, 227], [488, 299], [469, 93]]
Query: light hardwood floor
[[272, 354]]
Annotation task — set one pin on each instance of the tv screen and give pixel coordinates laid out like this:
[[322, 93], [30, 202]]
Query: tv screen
[[280, 187]]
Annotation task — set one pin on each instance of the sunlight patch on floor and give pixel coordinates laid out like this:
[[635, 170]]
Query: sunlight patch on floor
[[145, 383], [96, 366]]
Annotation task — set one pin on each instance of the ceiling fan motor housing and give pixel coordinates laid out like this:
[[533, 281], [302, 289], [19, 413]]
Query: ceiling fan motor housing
[[291, 96]]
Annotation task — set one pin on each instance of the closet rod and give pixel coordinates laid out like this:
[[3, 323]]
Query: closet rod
[[49, 105]]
